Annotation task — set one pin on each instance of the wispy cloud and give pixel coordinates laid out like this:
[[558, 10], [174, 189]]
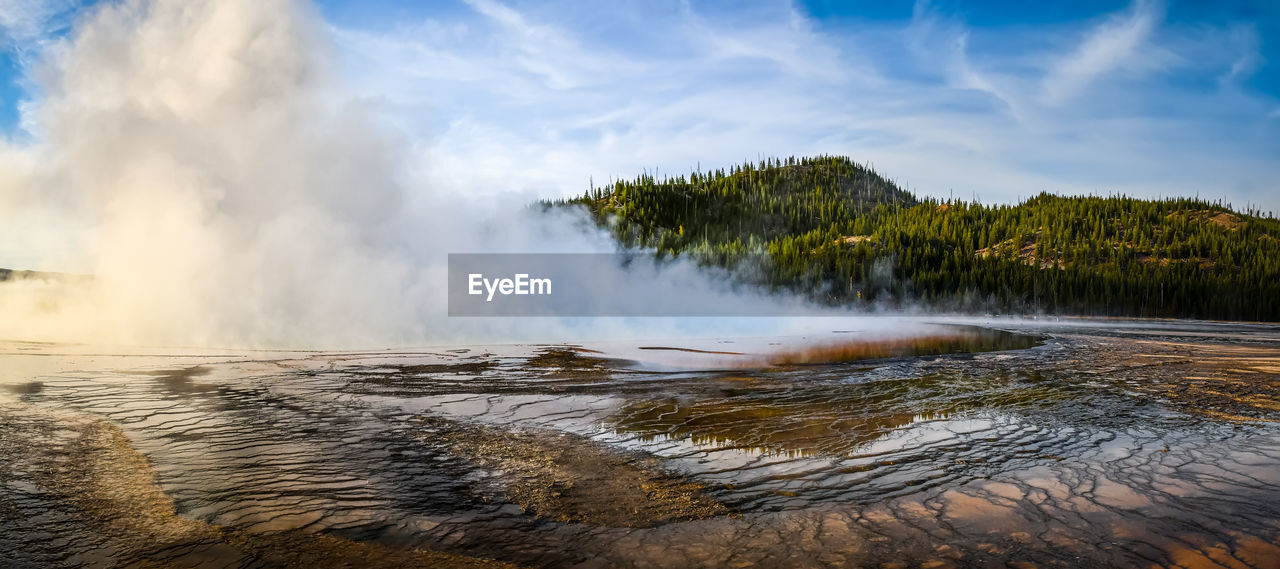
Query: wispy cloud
[[1117, 43], [221, 125], [1244, 42], [539, 98], [22, 18], [26, 23], [27, 29]]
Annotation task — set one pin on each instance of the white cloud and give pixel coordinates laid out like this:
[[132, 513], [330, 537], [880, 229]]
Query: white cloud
[[22, 18], [24, 23], [1112, 45], [1244, 43], [27, 28], [230, 191], [535, 101], [542, 50], [933, 102]]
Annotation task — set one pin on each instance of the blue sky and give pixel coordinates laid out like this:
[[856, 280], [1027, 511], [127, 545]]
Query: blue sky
[[997, 100]]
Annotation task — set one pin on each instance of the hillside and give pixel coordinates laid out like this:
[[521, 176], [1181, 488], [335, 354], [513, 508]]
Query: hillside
[[740, 208], [839, 232]]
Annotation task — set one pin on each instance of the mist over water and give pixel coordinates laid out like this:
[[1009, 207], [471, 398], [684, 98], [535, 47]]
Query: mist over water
[[204, 162], [223, 187], [231, 191]]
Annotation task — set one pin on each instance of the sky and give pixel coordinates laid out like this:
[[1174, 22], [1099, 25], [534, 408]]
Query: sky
[[995, 101], [285, 173]]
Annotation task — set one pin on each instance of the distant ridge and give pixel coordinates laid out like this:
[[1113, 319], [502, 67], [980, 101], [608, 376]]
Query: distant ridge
[[842, 234], [759, 201]]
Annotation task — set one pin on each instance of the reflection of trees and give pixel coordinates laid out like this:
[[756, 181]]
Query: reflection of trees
[[964, 339]]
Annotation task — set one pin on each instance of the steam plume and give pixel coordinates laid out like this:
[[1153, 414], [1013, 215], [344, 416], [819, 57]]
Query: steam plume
[[230, 192]]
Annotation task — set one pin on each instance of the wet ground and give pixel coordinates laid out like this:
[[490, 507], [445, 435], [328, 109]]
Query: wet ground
[[1065, 444]]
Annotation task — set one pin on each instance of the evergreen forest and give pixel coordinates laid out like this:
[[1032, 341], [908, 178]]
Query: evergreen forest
[[841, 233]]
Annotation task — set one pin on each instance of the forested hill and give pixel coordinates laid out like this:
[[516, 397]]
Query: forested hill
[[839, 232], [747, 205]]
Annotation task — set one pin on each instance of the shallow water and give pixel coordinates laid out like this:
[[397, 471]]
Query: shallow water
[[1075, 444]]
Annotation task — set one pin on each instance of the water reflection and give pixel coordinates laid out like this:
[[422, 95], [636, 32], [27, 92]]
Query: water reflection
[[951, 340], [764, 425], [1088, 448]]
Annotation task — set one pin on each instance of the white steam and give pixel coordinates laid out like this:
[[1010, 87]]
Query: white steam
[[235, 193], [227, 191]]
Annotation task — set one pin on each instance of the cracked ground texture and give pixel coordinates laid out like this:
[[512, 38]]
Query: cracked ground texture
[[1134, 444]]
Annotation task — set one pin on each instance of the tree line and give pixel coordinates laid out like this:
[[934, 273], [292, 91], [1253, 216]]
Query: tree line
[[841, 233]]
